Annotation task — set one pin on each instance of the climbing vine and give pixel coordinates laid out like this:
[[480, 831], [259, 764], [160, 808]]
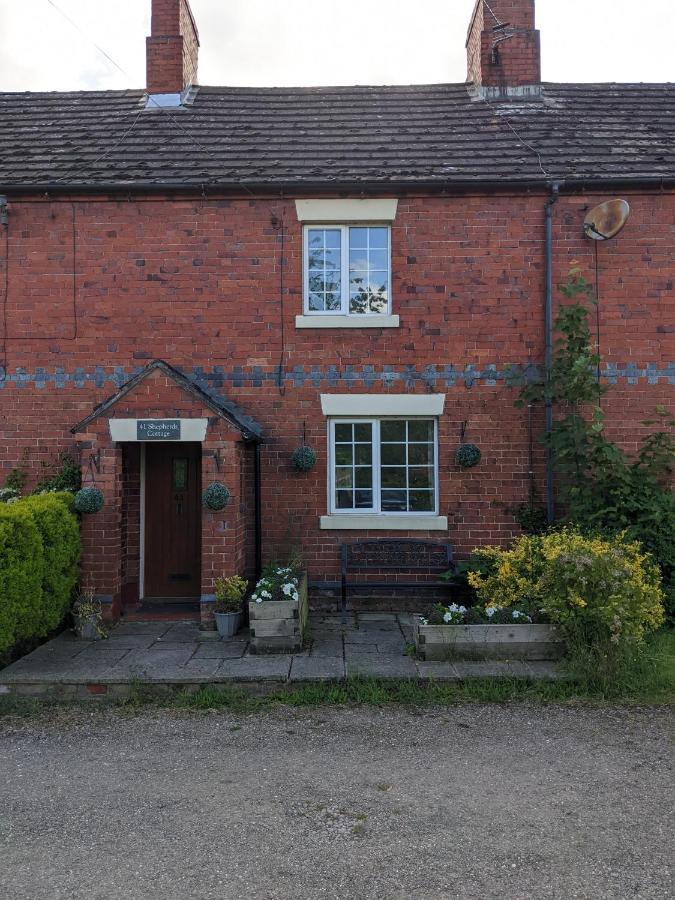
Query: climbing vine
[[599, 486]]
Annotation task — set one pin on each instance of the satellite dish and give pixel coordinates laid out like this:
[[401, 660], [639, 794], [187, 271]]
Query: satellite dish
[[607, 220]]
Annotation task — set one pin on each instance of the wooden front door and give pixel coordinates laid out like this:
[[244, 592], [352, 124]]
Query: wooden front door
[[172, 556]]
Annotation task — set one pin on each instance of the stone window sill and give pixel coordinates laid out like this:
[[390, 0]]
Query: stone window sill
[[346, 321], [383, 523]]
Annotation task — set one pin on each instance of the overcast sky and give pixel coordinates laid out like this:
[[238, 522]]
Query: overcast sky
[[311, 42]]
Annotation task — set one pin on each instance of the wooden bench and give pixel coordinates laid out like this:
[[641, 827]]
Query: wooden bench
[[393, 555]]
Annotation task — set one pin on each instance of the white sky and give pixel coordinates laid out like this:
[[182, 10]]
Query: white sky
[[312, 42]]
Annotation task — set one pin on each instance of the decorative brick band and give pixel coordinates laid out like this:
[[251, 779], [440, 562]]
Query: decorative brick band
[[357, 377]]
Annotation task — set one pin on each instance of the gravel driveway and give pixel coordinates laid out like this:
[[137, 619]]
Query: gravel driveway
[[463, 801]]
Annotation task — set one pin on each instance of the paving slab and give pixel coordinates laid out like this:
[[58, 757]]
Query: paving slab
[[184, 632], [317, 669], [256, 668], [220, 650], [139, 661], [130, 641], [177, 646], [132, 628], [437, 671], [374, 665], [353, 650], [200, 668], [104, 651]]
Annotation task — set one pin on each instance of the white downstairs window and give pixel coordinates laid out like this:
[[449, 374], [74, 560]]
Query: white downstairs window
[[384, 466], [347, 270]]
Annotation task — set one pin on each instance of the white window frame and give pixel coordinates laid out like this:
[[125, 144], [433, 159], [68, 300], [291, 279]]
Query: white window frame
[[344, 311], [376, 509]]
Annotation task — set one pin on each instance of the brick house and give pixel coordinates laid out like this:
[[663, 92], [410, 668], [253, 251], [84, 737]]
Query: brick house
[[196, 281]]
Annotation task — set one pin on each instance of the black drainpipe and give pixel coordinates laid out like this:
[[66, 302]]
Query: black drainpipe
[[548, 356], [258, 511]]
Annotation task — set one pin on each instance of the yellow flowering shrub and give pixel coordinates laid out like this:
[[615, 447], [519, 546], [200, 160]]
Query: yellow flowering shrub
[[607, 583]]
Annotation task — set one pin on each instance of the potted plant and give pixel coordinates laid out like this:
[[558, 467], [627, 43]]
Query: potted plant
[[88, 617], [229, 594], [279, 610]]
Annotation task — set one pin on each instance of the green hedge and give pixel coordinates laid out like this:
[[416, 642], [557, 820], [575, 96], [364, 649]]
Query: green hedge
[[39, 556]]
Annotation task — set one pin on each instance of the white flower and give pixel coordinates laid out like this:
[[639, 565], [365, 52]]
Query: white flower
[[462, 609], [266, 595], [490, 611], [447, 617], [516, 614]]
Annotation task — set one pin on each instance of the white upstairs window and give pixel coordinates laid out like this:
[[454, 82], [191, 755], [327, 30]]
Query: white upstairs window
[[347, 270]]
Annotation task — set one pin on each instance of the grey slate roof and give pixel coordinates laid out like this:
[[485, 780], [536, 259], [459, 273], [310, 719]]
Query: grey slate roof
[[339, 136]]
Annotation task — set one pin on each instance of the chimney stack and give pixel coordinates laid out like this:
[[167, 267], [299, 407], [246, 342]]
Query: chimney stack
[[172, 49], [503, 48]]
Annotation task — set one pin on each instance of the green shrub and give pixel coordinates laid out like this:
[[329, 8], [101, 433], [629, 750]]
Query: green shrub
[[597, 589], [39, 554], [61, 551], [21, 571]]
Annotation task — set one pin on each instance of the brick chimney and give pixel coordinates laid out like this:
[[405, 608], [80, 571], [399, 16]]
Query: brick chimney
[[503, 47], [172, 49]]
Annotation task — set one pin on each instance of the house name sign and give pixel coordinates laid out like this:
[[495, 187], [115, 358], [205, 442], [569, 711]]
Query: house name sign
[[158, 430]]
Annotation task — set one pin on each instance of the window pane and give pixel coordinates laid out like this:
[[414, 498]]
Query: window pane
[[344, 500], [333, 302], [420, 454], [344, 478], [333, 260], [378, 303], [358, 302], [393, 430], [421, 501], [343, 431], [343, 454], [363, 454], [358, 261], [316, 302], [379, 259], [393, 454], [363, 431], [393, 477], [394, 501], [421, 430], [363, 477], [333, 238], [378, 237], [363, 499], [358, 237], [421, 477]]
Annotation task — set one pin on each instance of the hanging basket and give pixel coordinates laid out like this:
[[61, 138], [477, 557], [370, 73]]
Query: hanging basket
[[216, 496], [88, 500], [303, 459], [468, 456]]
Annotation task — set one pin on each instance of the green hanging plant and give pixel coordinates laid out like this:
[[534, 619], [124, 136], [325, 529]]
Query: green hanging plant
[[89, 500], [216, 496], [468, 456], [303, 459]]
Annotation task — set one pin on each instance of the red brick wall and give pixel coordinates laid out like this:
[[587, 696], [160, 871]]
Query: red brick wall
[[197, 283]]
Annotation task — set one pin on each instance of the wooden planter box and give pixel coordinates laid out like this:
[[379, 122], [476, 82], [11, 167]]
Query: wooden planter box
[[279, 626], [487, 641]]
